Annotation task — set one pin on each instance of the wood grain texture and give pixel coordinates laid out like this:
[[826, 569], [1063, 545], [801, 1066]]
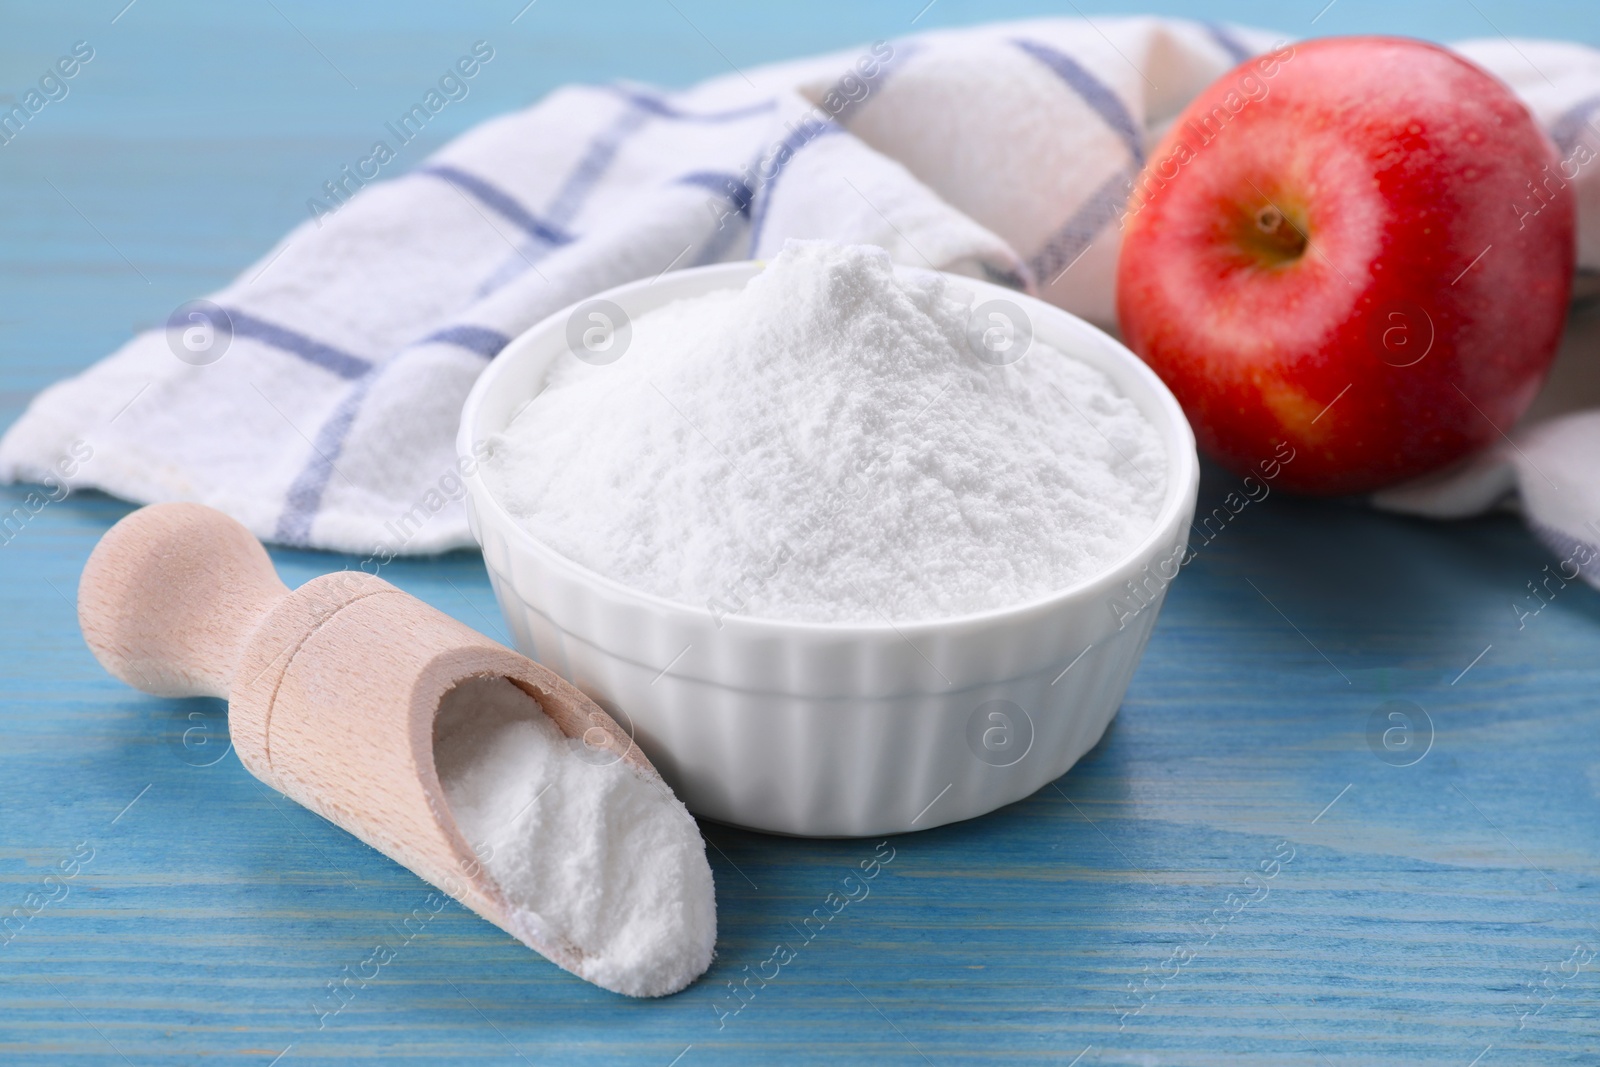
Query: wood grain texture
[[169, 598], [176, 911]]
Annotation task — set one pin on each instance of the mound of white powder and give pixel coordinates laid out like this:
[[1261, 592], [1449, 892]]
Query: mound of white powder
[[825, 445], [590, 853]]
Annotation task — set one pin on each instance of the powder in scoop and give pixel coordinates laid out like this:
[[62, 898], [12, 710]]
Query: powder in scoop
[[825, 445], [590, 853]]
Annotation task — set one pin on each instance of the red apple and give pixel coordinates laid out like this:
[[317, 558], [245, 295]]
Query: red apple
[[1357, 251]]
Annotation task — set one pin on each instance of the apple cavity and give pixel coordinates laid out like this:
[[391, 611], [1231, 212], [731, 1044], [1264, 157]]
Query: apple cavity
[[1356, 253]]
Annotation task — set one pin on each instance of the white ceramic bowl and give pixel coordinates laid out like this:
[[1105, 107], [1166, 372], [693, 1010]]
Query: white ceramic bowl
[[837, 730]]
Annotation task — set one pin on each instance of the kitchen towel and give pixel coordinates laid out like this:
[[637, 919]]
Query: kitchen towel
[[316, 397]]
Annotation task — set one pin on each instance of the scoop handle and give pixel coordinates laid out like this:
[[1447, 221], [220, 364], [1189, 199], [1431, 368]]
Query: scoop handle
[[171, 595]]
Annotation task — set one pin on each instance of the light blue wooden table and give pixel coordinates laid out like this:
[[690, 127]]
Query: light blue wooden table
[[1446, 912]]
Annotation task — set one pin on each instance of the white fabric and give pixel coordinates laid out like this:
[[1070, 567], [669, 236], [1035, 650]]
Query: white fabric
[[1001, 151]]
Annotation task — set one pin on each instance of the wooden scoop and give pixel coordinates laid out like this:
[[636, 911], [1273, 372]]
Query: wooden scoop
[[332, 689]]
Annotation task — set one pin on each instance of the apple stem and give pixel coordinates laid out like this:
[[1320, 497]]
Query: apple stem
[[1283, 236]]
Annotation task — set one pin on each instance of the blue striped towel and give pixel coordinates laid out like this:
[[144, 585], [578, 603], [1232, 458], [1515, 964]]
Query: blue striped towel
[[316, 397]]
